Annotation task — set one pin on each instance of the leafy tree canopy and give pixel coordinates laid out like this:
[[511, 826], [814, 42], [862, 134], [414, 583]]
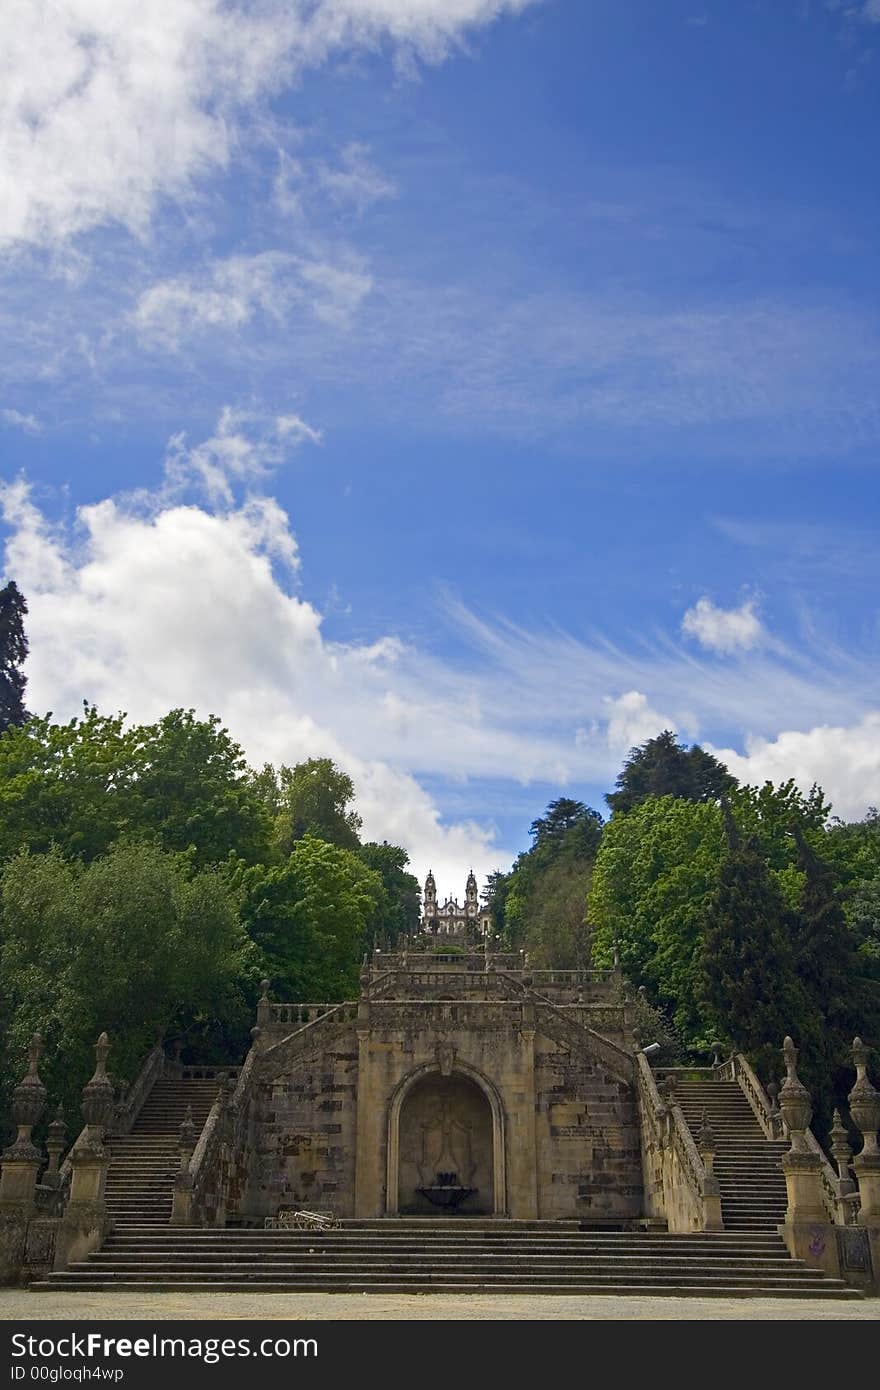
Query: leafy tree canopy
[[312, 798], [664, 767], [401, 909], [312, 917], [134, 942], [83, 785]]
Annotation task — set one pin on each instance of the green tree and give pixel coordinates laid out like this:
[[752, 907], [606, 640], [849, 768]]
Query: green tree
[[543, 898], [664, 767], [13, 652], [655, 869], [190, 788], [134, 942], [401, 908], [747, 976], [312, 917], [312, 798], [83, 785]]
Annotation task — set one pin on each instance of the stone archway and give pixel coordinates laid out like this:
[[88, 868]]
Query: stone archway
[[450, 1121]]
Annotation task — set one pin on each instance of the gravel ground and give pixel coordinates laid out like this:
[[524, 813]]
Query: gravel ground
[[24, 1306]]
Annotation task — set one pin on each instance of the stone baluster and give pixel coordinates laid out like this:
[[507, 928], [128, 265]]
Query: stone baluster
[[775, 1113], [56, 1143], [807, 1232], [864, 1106], [182, 1199], [85, 1222], [711, 1189]]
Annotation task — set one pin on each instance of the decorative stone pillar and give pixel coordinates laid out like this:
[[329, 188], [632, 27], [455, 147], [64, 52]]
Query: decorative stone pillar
[[807, 1232], [842, 1155], [55, 1146], [712, 1218], [85, 1222], [264, 1006], [864, 1106], [22, 1161], [20, 1166], [181, 1202]]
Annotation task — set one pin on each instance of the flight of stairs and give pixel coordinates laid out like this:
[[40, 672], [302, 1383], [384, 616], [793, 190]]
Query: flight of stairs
[[140, 1180], [443, 1254], [747, 1165], [447, 1255]]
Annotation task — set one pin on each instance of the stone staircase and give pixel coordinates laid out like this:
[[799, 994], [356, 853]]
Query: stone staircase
[[449, 1255], [747, 1165], [140, 1180]]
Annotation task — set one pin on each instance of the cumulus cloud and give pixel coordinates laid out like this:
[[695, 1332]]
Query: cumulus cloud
[[145, 607], [110, 108], [844, 760], [723, 629], [29, 423], [631, 720], [229, 293]]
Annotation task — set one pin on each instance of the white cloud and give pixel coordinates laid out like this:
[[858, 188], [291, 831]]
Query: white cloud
[[147, 607], [844, 760], [236, 453], [230, 293], [357, 181], [871, 11], [631, 721], [723, 629], [111, 106], [29, 423]]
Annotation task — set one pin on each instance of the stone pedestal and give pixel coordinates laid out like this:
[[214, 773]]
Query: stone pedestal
[[867, 1169], [807, 1232], [85, 1223]]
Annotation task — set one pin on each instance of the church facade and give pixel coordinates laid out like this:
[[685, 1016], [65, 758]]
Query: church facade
[[450, 918]]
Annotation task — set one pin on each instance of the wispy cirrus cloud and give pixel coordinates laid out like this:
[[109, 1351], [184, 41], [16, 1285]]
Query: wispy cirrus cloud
[[20, 420], [227, 295], [112, 109]]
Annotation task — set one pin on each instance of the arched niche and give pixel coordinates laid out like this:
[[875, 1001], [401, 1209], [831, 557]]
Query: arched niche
[[453, 1121]]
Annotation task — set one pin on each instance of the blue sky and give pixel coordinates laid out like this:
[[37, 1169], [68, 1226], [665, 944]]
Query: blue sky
[[465, 390]]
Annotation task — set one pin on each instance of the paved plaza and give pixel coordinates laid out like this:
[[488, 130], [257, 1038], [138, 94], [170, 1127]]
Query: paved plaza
[[20, 1304]]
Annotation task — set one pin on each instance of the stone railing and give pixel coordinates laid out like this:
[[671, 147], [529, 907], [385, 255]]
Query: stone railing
[[676, 1181], [573, 1032], [221, 1149], [130, 1106], [274, 1059], [298, 1014]]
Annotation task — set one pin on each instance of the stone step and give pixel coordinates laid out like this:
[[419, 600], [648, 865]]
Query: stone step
[[479, 1284]]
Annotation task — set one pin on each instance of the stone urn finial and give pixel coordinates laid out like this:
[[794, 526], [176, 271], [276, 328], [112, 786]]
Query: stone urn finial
[[794, 1100], [841, 1151], [864, 1101], [28, 1100], [98, 1099], [705, 1134]]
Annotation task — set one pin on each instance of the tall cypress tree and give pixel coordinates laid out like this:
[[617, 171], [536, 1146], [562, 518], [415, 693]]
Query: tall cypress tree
[[747, 977], [828, 962], [13, 650]]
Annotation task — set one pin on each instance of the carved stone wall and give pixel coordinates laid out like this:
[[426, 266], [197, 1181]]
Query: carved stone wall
[[350, 1126]]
